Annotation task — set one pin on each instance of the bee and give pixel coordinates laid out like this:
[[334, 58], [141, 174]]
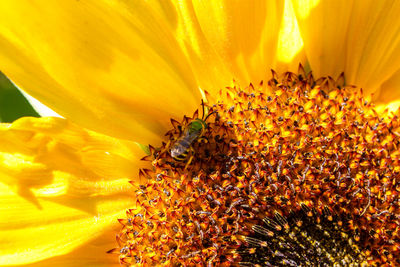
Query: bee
[[194, 130]]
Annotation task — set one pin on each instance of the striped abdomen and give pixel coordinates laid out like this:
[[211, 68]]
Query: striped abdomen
[[180, 148]]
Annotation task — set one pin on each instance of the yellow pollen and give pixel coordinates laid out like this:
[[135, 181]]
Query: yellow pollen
[[293, 171]]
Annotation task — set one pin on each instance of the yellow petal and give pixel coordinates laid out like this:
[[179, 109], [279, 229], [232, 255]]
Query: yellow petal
[[228, 40], [390, 89], [388, 96], [90, 254], [57, 190], [290, 50], [360, 38], [112, 66], [124, 68]]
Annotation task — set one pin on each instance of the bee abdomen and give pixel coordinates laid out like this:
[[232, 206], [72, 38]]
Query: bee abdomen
[[180, 150], [181, 157]]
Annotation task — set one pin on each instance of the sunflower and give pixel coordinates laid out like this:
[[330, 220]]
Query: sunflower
[[285, 169]]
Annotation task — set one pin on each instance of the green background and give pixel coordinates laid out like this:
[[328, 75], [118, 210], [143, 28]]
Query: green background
[[13, 104]]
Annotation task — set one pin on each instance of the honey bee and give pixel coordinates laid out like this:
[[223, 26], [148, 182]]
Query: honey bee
[[194, 130]]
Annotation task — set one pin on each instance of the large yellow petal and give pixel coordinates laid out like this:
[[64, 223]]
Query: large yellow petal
[[360, 38], [388, 96], [112, 66], [60, 187], [92, 253], [228, 40], [124, 68], [290, 51]]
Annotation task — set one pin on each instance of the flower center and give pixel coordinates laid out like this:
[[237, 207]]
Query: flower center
[[291, 172]]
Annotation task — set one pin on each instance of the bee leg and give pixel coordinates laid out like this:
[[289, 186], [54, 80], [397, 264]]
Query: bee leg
[[190, 158], [188, 162], [167, 147]]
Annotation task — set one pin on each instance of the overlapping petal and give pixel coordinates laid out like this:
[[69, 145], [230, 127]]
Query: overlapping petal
[[60, 187], [91, 254], [99, 64], [124, 68], [228, 40], [360, 38]]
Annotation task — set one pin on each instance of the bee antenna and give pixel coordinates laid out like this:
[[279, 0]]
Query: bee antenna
[[202, 105], [209, 115]]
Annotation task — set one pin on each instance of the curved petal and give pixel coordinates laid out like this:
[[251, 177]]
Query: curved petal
[[228, 40], [124, 68], [92, 253], [290, 51], [360, 38], [60, 187], [389, 94], [112, 66], [390, 90]]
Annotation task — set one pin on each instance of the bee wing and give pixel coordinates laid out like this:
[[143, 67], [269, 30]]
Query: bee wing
[[184, 142], [191, 135]]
